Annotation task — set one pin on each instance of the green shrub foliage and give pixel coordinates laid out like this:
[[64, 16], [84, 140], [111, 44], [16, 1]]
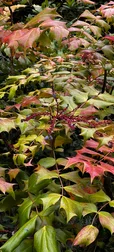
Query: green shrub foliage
[[56, 126]]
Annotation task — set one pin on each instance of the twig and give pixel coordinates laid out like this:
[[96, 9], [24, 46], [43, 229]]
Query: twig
[[98, 212]]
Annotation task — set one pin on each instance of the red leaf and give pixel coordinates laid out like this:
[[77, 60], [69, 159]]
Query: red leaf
[[94, 163], [90, 110], [12, 38], [29, 100], [49, 23], [23, 37], [29, 37], [111, 38]]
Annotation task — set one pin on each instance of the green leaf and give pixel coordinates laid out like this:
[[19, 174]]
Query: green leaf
[[86, 236], [72, 176], [34, 185], [50, 200], [87, 132], [12, 92], [47, 162], [111, 203], [60, 140], [106, 220], [25, 246], [24, 211], [106, 97], [99, 196], [43, 174], [99, 103], [71, 207], [104, 140], [19, 159], [108, 51], [79, 96], [27, 229], [68, 101], [75, 189], [88, 208], [45, 240]]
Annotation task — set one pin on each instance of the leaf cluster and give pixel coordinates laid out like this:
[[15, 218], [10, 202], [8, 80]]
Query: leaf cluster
[[56, 129]]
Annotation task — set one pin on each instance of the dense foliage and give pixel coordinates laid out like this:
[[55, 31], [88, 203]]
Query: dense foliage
[[56, 126]]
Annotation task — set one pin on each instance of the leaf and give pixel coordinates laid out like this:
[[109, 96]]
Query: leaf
[[60, 140], [111, 38], [96, 30], [73, 43], [90, 165], [87, 2], [2, 172], [75, 189], [47, 162], [12, 92], [12, 39], [43, 174], [87, 132], [24, 211], [72, 176], [99, 103], [5, 186], [19, 159], [68, 101], [25, 246], [45, 240], [28, 100], [27, 229], [6, 124], [39, 180], [88, 208], [50, 200], [27, 39], [59, 32], [99, 196], [111, 203], [106, 220], [86, 236], [71, 207], [87, 14], [13, 173], [108, 51], [79, 96], [42, 16]]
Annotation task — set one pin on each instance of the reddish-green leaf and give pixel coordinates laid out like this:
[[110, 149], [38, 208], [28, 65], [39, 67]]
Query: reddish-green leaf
[[106, 220], [5, 186], [86, 236], [6, 124], [46, 14]]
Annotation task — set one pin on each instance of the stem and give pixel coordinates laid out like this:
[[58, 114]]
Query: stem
[[104, 82], [57, 169], [33, 202], [98, 212], [11, 60], [11, 15]]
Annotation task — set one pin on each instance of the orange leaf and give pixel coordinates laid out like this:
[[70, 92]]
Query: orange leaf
[[13, 173]]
